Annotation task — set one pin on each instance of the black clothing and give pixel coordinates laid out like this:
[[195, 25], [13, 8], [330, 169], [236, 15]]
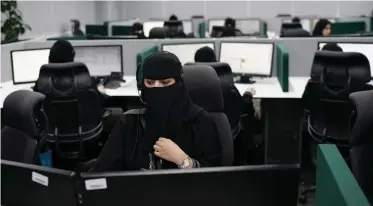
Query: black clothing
[[198, 138]]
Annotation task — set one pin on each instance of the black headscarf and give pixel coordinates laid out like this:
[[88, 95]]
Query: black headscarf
[[61, 52], [173, 17], [320, 26], [229, 22], [205, 54], [167, 107], [332, 47]]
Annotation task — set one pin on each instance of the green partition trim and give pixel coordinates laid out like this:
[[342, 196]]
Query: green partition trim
[[202, 30], [282, 58], [335, 184], [264, 29], [94, 29], [348, 27], [143, 54], [67, 38], [371, 24], [121, 30]]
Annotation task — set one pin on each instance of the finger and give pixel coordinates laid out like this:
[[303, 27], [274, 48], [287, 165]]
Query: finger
[[162, 139], [158, 154], [157, 148], [159, 143]]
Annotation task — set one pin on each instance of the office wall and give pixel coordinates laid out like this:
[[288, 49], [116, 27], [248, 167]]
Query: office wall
[[263, 9], [48, 17], [301, 51]]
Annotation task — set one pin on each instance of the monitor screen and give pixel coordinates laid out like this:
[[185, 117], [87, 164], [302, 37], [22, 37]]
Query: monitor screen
[[213, 23], [100, 60], [26, 64], [187, 26], [248, 58], [248, 26], [185, 52], [364, 48], [306, 24], [148, 25]]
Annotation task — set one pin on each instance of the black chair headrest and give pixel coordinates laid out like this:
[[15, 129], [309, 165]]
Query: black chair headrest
[[20, 108], [353, 64], [362, 125], [158, 33], [299, 32], [292, 25], [63, 79], [204, 87], [222, 69]]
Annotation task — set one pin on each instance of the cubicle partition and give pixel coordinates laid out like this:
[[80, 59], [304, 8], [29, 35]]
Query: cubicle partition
[[282, 57], [335, 184]]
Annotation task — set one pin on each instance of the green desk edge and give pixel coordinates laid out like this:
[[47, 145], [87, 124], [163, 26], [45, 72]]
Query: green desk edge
[[282, 58], [335, 184], [67, 38], [121, 30], [143, 54]]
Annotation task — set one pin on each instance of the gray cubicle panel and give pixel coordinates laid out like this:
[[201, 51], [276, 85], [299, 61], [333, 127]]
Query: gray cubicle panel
[[301, 50]]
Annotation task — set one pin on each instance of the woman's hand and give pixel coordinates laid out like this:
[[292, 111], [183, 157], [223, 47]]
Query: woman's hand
[[168, 150]]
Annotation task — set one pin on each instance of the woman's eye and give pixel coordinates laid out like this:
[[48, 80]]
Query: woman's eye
[[165, 82], [149, 82]]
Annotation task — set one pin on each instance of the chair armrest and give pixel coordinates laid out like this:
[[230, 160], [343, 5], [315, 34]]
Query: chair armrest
[[107, 113]]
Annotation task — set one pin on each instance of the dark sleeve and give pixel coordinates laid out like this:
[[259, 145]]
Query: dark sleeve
[[208, 147], [111, 156]]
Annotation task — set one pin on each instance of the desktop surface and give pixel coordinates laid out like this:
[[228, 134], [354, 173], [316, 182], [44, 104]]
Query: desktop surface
[[26, 64], [364, 48], [254, 59], [23, 184], [266, 185], [185, 51]]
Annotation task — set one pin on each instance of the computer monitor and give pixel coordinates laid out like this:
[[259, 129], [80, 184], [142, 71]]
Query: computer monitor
[[187, 26], [100, 60], [265, 185], [364, 48], [306, 24], [216, 22], [186, 51], [24, 184], [148, 25], [248, 26], [251, 59], [26, 64]]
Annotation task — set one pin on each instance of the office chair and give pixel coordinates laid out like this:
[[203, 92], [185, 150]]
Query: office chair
[[24, 126], [334, 76], [175, 29], [299, 32], [159, 33], [233, 102], [361, 141], [290, 26], [205, 91], [74, 111]]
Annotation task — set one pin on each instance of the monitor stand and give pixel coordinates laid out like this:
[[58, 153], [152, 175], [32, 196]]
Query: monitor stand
[[246, 79]]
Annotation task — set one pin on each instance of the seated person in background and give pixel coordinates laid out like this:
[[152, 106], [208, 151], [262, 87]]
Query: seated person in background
[[75, 28], [138, 30], [322, 28], [205, 54], [229, 29], [332, 47], [173, 17], [295, 20], [177, 133]]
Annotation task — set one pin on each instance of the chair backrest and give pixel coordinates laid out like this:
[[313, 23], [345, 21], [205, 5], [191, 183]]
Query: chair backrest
[[288, 26], [334, 76], [298, 32], [233, 103], [205, 91], [71, 99], [158, 33], [361, 141], [24, 121]]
